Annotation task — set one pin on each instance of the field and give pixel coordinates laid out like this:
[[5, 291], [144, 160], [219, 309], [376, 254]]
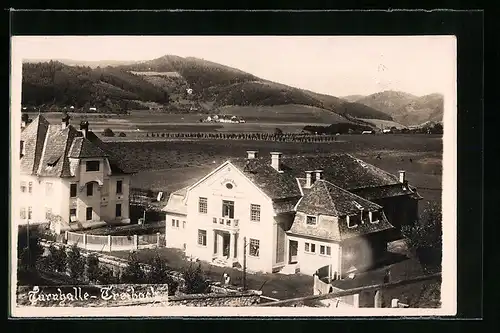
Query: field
[[384, 124], [170, 165]]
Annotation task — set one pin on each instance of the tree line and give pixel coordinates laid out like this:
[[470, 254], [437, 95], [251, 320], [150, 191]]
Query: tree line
[[285, 137]]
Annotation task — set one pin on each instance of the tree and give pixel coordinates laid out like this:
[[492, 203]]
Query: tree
[[108, 132], [122, 134], [278, 131], [424, 239], [133, 273], [194, 280], [29, 249], [56, 259], [92, 269], [106, 276], [76, 263], [159, 274]]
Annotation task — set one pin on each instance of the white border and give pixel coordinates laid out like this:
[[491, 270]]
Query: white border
[[449, 273]]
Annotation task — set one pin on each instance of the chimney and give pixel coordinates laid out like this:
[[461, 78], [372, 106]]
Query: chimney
[[84, 127], [402, 178], [251, 154], [318, 173], [308, 179], [275, 160], [65, 120]]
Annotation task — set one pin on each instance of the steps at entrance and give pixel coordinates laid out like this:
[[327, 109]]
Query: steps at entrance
[[220, 262], [290, 269]]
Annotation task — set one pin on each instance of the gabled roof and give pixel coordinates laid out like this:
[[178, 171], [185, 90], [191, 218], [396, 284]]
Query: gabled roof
[[175, 203], [374, 193], [324, 198], [48, 147], [33, 136]]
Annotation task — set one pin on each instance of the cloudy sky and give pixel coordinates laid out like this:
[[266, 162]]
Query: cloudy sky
[[339, 66]]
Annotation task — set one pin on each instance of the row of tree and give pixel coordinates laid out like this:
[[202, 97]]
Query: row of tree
[[71, 263], [288, 137]]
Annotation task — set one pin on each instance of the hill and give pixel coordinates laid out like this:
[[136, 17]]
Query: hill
[[405, 108], [163, 82], [55, 85]]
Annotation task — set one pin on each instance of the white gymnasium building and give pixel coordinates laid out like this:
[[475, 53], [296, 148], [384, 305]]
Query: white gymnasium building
[[68, 178], [296, 213]]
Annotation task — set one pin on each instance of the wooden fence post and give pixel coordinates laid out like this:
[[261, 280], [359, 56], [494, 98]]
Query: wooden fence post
[[85, 241], [136, 242], [109, 242], [378, 298], [157, 239], [394, 303], [66, 236]]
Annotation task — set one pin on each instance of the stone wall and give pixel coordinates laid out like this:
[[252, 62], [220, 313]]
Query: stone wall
[[250, 298]]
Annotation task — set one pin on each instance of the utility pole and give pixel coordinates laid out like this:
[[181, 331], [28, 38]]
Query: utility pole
[[244, 263]]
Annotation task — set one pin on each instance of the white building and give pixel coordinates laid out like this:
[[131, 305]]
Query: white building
[[68, 179], [290, 218]]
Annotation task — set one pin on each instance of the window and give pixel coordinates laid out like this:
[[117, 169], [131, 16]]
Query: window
[[88, 214], [30, 187], [202, 237], [365, 216], [311, 220], [92, 165], [353, 221], [228, 209], [48, 189], [30, 211], [325, 250], [255, 213], [254, 247], [72, 214], [72, 190], [214, 220], [23, 213], [119, 184], [90, 189], [22, 149], [202, 205], [229, 186], [183, 224], [48, 213], [375, 217], [23, 187], [173, 223], [310, 247], [118, 210]]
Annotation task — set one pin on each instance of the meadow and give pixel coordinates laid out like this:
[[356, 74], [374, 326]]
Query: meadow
[[170, 165]]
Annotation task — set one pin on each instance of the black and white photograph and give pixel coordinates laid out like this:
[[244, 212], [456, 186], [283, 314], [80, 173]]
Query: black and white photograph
[[233, 176]]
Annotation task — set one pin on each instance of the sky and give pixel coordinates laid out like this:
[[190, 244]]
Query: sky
[[334, 65]]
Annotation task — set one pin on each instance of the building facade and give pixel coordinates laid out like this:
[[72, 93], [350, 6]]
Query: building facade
[[287, 214], [68, 179]]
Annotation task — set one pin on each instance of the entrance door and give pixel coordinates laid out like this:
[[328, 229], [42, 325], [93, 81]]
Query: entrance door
[[292, 253], [225, 244]]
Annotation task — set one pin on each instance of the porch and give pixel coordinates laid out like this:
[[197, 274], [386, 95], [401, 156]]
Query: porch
[[225, 248]]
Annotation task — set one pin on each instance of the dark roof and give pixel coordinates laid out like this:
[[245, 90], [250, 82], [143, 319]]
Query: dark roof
[[273, 183], [342, 170], [48, 148], [324, 198], [33, 136], [83, 148], [373, 193]]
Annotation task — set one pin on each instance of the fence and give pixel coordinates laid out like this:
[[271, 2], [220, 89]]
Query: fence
[[378, 288], [114, 243]]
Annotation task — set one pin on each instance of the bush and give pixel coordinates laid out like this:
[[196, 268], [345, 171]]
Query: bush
[[195, 281], [29, 251], [424, 239], [122, 134], [106, 276], [108, 132], [159, 274], [133, 273], [76, 263], [56, 259], [92, 269]]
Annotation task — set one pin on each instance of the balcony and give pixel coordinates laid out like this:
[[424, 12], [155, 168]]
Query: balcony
[[225, 223]]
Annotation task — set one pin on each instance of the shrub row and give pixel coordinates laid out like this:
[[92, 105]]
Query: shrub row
[[289, 137]]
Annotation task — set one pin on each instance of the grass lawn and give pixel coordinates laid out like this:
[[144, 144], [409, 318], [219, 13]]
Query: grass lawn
[[272, 285]]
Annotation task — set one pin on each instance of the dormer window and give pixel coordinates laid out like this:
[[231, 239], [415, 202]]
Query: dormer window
[[365, 216], [375, 216], [92, 165], [23, 151], [311, 220], [353, 221], [52, 161]]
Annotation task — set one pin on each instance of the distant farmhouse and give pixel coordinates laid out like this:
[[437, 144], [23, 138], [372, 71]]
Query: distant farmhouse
[[294, 213], [224, 119], [68, 179]]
